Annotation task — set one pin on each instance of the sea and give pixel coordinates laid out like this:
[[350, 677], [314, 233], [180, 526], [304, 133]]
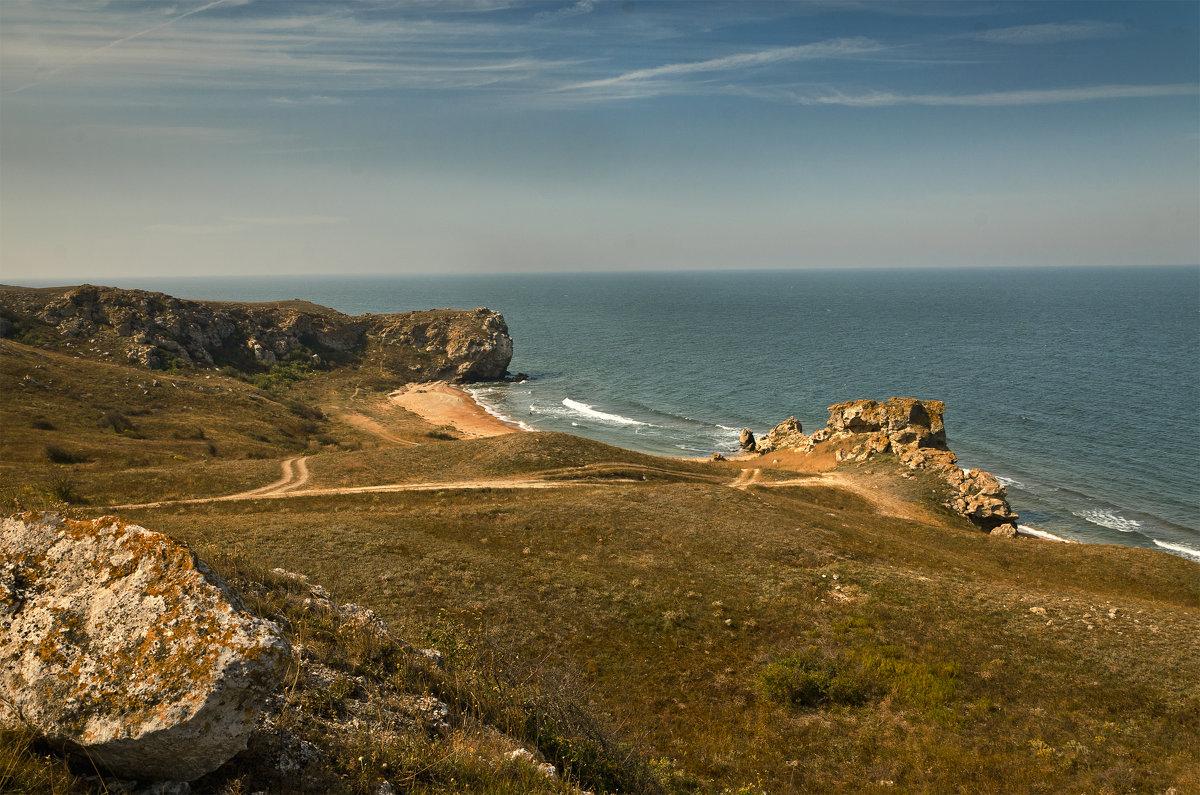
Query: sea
[[1079, 388]]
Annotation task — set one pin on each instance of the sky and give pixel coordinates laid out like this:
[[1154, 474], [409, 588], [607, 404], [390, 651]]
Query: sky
[[271, 137]]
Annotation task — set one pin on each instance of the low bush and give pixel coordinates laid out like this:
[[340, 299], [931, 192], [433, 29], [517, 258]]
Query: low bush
[[61, 488], [117, 421], [857, 675], [59, 455]]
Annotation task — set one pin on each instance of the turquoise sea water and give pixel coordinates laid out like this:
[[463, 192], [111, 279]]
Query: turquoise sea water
[[1080, 388]]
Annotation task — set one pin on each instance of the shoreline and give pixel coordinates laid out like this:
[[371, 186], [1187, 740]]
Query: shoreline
[[440, 403], [443, 404]]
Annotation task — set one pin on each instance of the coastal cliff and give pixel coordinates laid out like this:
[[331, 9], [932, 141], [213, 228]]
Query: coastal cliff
[[159, 331], [913, 431]]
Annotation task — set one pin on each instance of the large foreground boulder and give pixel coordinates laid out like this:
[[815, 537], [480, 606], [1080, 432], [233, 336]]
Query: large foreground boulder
[[117, 642]]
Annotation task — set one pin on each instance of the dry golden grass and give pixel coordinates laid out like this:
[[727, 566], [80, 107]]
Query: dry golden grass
[[679, 610]]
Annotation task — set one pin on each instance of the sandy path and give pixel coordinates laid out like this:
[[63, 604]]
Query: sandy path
[[300, 479], [884, 500], [365, 423], [295, 475], [452, 485], [745, 479], [439, 403], [288, 479]]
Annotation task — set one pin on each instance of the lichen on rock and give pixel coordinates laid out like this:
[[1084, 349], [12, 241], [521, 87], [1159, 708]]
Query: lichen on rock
[[118, 642]]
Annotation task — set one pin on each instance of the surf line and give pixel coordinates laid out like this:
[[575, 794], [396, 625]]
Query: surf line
[[478, 399], [588, 411]]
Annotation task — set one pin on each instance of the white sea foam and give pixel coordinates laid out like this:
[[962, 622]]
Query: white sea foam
[[1194, 554], [1110, 519], [476, 395], [588, 411], [1026, 530], [1008, 482]]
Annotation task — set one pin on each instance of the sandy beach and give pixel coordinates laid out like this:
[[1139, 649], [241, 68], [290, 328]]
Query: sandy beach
[[440, 403]]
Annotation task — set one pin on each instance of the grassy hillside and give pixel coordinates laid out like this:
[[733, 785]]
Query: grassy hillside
[[845, 633]]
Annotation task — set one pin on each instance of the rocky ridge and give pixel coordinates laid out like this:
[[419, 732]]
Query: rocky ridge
[[156, 330], [913, 431]]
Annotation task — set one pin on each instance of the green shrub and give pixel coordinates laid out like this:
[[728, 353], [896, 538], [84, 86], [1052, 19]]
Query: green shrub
[[117, 421], [59, 455], [810, 678], [61, 488]]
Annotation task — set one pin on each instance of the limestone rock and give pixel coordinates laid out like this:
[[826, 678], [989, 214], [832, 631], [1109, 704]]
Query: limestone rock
[[983, 500], [903, 420], [462, 345], [788, 433], [913, 430], [116, 641], [746, 439]]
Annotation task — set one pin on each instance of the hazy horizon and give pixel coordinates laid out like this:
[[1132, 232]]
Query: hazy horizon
[[259, 138]]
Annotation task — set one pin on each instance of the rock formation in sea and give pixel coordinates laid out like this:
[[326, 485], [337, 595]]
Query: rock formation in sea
[[117, 642], [158, 330], [913, 431]]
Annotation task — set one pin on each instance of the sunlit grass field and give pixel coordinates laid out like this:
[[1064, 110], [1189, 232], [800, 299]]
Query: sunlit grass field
[[765, 639]]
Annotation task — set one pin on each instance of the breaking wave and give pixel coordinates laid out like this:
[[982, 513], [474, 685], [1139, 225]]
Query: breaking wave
[[1026, 530], [1110, 519], [1178, 549], [588, 411]]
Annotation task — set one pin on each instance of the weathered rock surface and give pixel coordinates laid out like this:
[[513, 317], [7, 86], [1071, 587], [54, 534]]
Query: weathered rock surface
[[158, 329], [786, 434], [746, 439], [116, 641], [913, 430]]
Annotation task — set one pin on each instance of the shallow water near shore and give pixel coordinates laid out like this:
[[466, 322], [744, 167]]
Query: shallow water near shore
[[1077, 387]]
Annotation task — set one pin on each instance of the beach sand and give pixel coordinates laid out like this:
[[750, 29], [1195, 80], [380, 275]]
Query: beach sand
[[439, 403]]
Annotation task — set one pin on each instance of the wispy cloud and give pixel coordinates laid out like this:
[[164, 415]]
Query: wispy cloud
[[77, 60], [312, 99], [232, 224], [192, 229], [654, 78], [311, 55], [168, 132], [578, 9], [287, 220], [1049, 33], [880, 99]]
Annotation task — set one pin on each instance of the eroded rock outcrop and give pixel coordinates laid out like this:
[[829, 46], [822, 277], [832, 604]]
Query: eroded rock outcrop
[[157, 330], [116, 641], [912, 430]]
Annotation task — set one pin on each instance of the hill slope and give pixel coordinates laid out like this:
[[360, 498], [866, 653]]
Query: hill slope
[[788, 631]]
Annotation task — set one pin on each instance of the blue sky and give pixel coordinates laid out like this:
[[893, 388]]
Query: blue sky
[[416, 136]]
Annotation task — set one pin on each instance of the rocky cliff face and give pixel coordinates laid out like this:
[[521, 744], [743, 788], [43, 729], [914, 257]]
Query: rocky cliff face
[[157, 330], [913, 431], [117, 642]]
